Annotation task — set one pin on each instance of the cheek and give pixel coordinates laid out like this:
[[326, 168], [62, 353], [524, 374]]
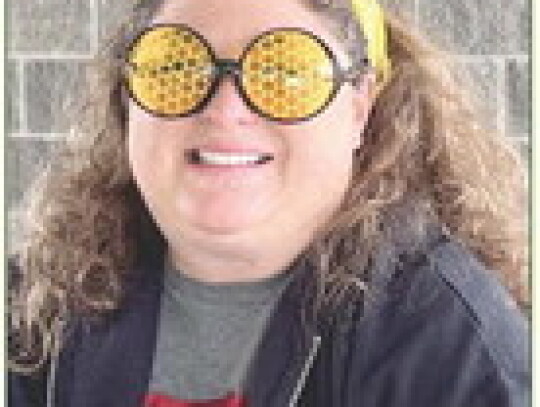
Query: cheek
[[327, 161], [328, 146], [150, 156], [140, 147], [322, 163], [324, 153]]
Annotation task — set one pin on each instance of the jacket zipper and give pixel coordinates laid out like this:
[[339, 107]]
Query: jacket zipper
[[51, 382], [302, 380], [51, 374]]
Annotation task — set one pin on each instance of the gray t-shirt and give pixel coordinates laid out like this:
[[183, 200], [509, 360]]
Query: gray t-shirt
[[208, 332]]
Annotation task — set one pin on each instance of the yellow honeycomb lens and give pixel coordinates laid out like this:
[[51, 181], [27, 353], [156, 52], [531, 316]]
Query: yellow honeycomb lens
[[288, 74], [285, 74], [170, 70]]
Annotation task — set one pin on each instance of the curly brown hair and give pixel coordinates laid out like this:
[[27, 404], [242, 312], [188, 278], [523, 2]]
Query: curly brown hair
[[425, 143]]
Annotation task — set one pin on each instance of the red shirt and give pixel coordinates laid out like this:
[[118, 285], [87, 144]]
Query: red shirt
[[161, 400]]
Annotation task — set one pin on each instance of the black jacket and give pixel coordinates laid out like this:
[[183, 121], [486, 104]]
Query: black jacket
[[443, 332]]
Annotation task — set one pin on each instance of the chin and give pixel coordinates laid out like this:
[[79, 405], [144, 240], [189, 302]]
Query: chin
[[219, 229], [227, 213], [226, 220]]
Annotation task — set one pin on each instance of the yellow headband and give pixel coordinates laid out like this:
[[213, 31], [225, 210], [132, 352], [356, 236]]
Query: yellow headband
[[371, 18]]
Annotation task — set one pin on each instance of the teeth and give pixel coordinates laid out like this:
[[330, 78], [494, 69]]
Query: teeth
[[219, 158], [228, 159]]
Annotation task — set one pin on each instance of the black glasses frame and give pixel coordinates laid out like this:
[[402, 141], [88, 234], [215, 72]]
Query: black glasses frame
[[231, 67]]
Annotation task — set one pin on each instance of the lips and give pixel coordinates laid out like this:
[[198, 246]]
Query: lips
[[196, 156], [227, 155]]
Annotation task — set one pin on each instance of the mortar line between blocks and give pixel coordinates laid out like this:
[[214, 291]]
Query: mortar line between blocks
[[522, 138], [417, 13], [23, 119], [51, 56], [501, 95], [43, 136], [95, 24], [69, 56]]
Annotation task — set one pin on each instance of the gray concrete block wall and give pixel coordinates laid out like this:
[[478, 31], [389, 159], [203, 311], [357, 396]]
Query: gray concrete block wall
[[49, 85], [404, 7], [50, 26], [49, 42], [518, 100], [12, 95], [478, 27]]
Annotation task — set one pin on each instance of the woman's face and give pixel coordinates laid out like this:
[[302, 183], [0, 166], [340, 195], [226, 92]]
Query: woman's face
[[294, 193]]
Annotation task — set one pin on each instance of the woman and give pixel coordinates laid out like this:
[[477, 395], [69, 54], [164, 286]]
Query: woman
[[331, 228]]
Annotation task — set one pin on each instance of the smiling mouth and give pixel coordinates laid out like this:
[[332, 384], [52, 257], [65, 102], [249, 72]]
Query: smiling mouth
[[201, 157]]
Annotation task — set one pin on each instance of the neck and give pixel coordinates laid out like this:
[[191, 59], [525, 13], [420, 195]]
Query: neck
[[216, 259]]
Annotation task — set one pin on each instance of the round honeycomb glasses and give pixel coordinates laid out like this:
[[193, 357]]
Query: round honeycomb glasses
[[285, 74]]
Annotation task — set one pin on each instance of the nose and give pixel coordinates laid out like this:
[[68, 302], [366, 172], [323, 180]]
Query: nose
[[226, 107]]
